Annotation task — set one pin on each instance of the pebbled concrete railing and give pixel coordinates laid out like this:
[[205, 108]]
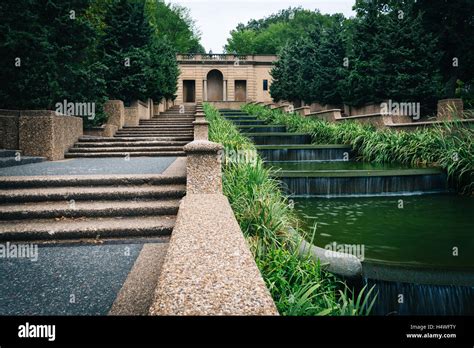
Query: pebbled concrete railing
[[209, 269]]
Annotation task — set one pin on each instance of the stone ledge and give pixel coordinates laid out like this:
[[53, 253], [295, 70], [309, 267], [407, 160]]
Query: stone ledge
[[44, 133], [209, 269], [202, 146]]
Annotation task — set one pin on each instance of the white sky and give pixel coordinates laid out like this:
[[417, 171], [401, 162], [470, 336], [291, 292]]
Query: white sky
[[216, 18]]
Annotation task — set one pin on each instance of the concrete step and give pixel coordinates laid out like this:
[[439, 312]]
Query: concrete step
[[8, 153], [158, 135], [178, 112], [69, 228], [126, 154], [129, 144], [162, 127], [12, 161], [155, 131], [179, 136], [18, 182], [132, 139], [159, 127], [189, 135], [168, 124], [43, 194], [63, 209], [169, 117], [125, 149]]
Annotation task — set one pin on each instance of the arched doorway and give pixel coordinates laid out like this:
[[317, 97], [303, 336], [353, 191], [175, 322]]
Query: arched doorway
[[215, 85]]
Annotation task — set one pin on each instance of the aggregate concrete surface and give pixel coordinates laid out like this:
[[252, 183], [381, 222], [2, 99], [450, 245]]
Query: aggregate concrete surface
[[91, 166], [89, 276]]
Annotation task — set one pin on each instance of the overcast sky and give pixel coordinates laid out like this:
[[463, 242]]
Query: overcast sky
[[216, 18]]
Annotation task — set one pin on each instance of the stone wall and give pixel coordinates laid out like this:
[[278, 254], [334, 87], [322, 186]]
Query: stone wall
[[9, 123], [234, 105], [316, 107], [131, 116], [449, 109], [43, 133], [327, 115], [367, 109], [136, 112]]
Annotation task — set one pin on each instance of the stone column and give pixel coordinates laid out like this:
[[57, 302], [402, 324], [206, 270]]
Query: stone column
[[201, 129], [199, 115], [203, 167], [115, 116], [205, 90]]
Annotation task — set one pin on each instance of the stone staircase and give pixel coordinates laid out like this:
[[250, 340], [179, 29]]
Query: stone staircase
[[10, 158], [82, 207], [163, 135], [110, 206]]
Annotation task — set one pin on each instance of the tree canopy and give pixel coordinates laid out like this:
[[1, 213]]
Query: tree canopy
[[90, 51], [404, 50]]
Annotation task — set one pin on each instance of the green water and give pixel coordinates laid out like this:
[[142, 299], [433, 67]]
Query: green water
[[419, 231]]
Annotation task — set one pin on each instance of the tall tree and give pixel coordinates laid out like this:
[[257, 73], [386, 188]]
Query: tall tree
[[174, 23], [287, 74], [452, 23], [362, 84], [49, 54], [391, 56], [326, 60], [140, 63], [269, 35]]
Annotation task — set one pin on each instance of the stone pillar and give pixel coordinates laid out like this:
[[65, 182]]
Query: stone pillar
[[203, 167], [447, 108], [200, 115], [201, 129], [115, 116], [205, 90]]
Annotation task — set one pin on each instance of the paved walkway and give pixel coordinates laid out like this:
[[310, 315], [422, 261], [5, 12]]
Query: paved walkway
[[92, 166], [92, 274]]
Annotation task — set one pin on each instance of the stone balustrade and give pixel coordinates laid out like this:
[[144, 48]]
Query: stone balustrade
[[209, 269]]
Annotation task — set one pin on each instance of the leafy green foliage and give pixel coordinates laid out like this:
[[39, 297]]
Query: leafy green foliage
[[298, 286], [174, 23], [269, 35], [404, 50], [140, 63], [49, 54], [78, 50], [449, 145], [451, 22], [391, 56]]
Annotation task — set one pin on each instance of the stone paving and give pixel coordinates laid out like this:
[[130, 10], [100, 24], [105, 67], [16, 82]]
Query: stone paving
[[92, 166], [78, 278], [89, 276]]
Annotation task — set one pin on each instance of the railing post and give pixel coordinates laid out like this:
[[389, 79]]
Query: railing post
[[203, 168]]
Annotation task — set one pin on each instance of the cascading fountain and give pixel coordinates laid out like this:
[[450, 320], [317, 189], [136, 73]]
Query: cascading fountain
[[418, 250]]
